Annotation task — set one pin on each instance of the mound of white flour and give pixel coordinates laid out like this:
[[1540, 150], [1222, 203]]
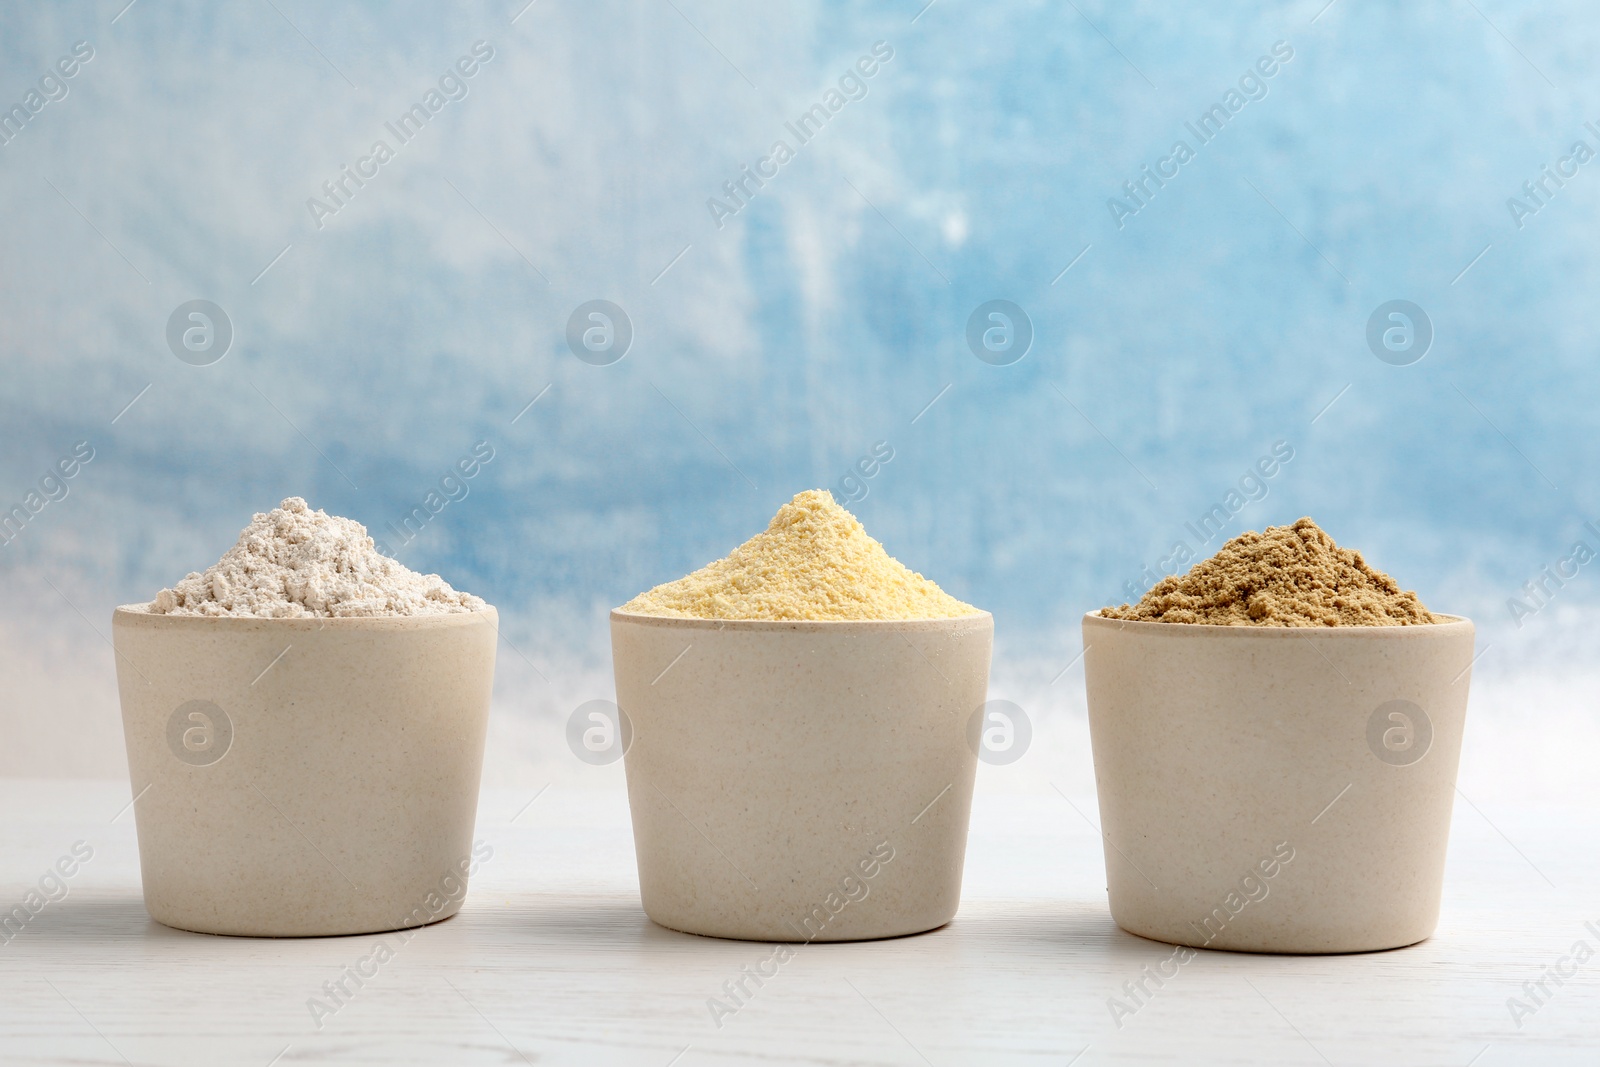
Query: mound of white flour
[[293, 562]]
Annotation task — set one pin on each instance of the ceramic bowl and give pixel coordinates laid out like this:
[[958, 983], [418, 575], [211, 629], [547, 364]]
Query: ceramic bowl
[[800, 781], [1276, 789], [301, 777]]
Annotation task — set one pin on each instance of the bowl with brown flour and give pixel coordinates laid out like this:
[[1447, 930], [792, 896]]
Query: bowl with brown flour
[[1275, 736], [305, 724], [799, 766]]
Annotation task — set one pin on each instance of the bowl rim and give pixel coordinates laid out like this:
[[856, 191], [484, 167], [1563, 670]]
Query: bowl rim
[[1453, 624], [978, 619], [140, 615]]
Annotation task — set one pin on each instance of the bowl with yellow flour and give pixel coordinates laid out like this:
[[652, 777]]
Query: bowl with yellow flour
[[305, 724], [1275, 736], [799, 767]]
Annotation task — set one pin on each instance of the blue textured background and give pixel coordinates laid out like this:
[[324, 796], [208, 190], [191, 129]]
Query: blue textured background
[[823, 317]]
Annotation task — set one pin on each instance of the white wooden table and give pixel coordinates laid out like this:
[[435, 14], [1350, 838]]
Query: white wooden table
[[552, 961]]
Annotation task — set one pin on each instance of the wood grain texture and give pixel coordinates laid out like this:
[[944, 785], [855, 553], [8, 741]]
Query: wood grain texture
[[552, 961]]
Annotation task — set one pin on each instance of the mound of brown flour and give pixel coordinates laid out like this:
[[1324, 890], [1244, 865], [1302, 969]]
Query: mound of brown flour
[[1287, 576], [293, 562]]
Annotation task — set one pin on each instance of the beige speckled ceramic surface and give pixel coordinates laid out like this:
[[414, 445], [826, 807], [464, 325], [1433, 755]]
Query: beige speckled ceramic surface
[[1272, 789], [798, 781], [304, 776]]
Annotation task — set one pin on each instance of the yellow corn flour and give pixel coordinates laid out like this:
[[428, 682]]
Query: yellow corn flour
[[813, 562]]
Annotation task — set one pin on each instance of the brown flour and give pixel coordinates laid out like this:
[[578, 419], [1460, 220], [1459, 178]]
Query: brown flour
[[1287, 576]]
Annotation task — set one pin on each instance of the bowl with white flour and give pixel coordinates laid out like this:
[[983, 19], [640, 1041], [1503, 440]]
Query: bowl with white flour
[[305, 725], [799, 753]]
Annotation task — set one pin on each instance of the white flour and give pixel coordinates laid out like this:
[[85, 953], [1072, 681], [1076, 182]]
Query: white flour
[[293, 562]]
